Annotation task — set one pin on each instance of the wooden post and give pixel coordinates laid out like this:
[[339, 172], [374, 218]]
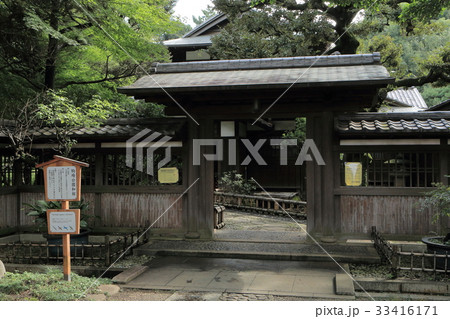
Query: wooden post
[[107, 252], [395, 261], [62, 180], [66, 248]]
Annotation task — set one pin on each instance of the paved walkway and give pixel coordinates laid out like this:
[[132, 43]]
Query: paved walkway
[[255, 277]]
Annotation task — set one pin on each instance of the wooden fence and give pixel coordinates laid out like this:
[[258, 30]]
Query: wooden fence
[[262, 204], [132, 207], [93, 253], [409, 260]]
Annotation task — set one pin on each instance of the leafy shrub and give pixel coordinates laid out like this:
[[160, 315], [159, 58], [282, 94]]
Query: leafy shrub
[[232, 182], [39, 209], [439, 200], [48, 286]]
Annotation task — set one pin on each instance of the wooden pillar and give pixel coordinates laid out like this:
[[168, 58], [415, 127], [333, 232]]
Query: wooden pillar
[[444, 167], [443, 161], [98, 180], [321, 179], [66, 248], [312, 194], [17, 183], [200, 198]]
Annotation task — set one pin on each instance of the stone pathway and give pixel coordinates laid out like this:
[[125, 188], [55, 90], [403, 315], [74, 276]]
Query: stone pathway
[[257, 227], [236, 220], [237, 278]]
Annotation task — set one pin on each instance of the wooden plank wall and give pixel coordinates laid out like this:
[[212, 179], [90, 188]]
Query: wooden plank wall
[[8, 210], [28, 198], [118, 210], [397, 215], [139, 210]]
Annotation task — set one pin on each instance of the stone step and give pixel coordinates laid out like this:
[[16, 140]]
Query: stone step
[[344, 285], [129, 274], [268, 251]]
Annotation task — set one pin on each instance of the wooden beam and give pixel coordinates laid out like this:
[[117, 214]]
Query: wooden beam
[[381, 191]]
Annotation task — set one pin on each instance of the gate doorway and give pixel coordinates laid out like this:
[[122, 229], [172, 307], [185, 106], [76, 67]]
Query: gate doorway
[[264, 89]]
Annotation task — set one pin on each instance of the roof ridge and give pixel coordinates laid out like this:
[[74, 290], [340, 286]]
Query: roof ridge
[[268, 63], [204, 24]]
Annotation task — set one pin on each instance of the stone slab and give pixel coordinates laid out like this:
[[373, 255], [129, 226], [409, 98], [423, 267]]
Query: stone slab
[[191, 279], [344, 285], [264, 277], [129, 274], [273, 283], [425, 288], [230, 280], [378, 285], [157, 277], [310, 285], [402, 286]]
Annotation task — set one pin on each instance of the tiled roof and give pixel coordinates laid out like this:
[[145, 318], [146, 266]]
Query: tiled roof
[[409, 100], [116, 128], [263, 73], [378, 123]]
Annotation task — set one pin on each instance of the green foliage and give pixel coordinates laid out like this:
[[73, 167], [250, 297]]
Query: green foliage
[[47, 44], [415, 57], [270, 31], [48, 286], [59, 109], [439, 200], [232, 182], [422, 9], [299, 132], [434, 96], [208, 13], [38, 211], [59, 112], [405, 32], [391, 51]]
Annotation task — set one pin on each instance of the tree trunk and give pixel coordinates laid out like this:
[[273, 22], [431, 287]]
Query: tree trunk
[[52, 49], [343, 16]]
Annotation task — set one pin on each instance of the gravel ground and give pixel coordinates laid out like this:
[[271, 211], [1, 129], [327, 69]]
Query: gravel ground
[[140, 295], [235, 220]]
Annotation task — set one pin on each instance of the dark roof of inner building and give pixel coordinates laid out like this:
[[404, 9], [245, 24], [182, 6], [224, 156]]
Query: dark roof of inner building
[[444, 106]]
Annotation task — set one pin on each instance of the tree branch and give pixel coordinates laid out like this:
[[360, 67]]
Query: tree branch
[[431, 77], [78, 27], [105, 79]]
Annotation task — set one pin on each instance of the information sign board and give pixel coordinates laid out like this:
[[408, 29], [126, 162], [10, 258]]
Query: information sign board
[[169, 175], [353, 174], [63, 221], [61, 183]]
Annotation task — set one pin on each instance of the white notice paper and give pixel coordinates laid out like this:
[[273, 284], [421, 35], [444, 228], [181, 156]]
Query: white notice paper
[[61, 183], [62, 222]]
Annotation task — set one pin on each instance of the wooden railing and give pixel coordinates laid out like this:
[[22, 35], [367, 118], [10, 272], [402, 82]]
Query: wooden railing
[[262, 204], [384, 249], [86, 254], [409, 260]]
